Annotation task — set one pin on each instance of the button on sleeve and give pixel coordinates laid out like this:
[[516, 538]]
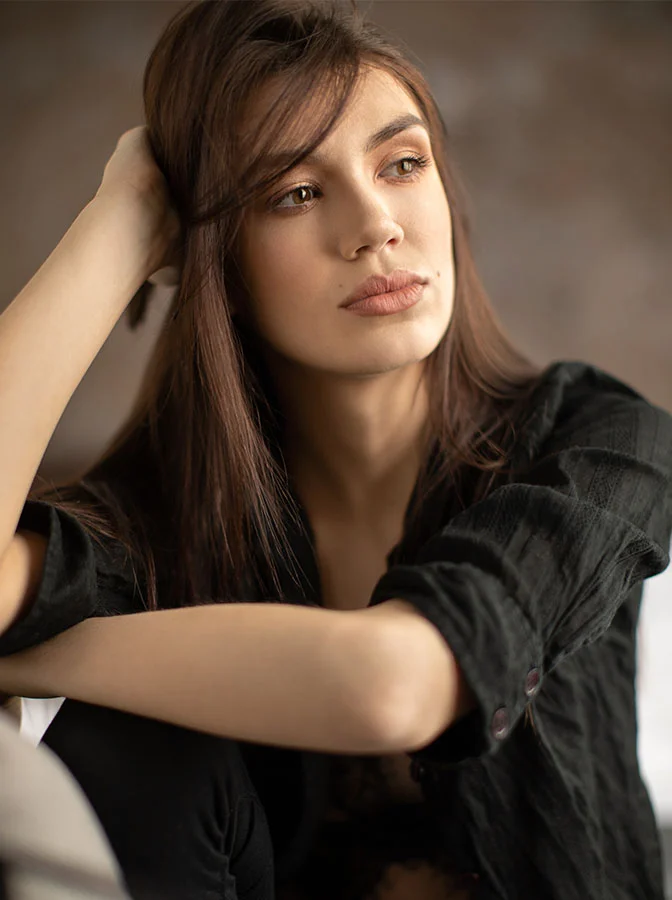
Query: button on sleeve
[[538, 568], [532, 682], [499, 726]]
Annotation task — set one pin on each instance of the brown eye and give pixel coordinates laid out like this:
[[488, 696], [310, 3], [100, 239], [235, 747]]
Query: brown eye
[[302, 192], [411, 165]]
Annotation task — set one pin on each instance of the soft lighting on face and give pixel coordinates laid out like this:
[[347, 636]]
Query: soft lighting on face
[[368, 201]]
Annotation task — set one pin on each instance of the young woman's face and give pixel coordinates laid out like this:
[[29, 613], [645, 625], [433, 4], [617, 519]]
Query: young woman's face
[[328, 225]]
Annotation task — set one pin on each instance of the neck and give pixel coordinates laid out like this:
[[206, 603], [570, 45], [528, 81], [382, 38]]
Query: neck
[[353, 446]]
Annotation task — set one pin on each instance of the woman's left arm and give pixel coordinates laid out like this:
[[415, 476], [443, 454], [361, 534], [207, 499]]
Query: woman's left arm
[[536, 571], [378, 680]]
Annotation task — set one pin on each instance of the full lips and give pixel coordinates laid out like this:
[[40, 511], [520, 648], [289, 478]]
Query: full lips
[[388, 304]]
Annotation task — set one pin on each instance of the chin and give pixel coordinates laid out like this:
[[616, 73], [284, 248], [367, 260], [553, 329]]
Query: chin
[[369, 354], [379, 360], [407, 349]]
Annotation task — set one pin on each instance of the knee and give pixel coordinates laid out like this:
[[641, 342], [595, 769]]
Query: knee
[[178, 806]]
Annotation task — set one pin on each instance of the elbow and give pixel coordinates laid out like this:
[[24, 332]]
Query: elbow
[[408, 719], [376, 700], [397, 731], [417, 689], [386, 717], [401, 721]]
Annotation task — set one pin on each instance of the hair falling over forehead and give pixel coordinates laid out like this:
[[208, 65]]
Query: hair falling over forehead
[[194, 483]]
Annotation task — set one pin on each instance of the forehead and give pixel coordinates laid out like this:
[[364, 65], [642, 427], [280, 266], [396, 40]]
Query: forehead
[[377, 98]]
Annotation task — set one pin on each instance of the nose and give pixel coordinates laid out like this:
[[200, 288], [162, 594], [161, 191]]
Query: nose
[[365, 223]]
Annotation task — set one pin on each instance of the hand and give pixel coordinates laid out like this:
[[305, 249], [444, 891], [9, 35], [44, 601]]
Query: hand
[[133, 178]]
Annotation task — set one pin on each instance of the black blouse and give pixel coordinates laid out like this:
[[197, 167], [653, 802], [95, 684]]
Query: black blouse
[[536, 589]]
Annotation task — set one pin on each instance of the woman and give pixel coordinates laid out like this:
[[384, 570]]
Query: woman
[[426, 686]]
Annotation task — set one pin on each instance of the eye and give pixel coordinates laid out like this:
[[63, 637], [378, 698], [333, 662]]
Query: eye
[[416, 162], [412, 163], [301, 191]]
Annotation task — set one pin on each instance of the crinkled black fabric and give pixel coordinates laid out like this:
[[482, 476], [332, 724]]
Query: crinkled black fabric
[[537, 590], [81, 578]]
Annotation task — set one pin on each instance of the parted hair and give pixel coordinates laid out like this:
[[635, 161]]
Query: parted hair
[[193, 485]]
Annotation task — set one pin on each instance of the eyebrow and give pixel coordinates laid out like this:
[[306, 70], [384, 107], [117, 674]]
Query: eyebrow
[[386, 133]]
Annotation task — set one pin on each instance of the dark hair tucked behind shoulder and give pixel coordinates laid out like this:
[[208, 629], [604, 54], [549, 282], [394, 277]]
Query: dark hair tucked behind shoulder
[[194, 484]]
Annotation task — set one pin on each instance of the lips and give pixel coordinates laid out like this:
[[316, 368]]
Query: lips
[[384, 284]]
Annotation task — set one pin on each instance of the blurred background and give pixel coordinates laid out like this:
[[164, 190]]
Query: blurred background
[[561, 124]]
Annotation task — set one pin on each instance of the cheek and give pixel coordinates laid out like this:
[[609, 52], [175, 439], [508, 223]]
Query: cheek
[[427, 220], [280, 264], [436, 215]]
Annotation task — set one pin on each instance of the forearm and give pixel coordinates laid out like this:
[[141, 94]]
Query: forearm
[[52, 331], [278, 674]]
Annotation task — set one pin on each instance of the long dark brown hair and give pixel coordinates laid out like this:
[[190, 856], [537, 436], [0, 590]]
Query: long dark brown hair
[[194, 484]]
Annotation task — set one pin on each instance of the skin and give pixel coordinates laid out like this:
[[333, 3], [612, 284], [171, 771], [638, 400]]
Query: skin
[[379, 679], [351, 385]]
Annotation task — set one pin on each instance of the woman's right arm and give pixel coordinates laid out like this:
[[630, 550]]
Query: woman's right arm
[[53, 330]]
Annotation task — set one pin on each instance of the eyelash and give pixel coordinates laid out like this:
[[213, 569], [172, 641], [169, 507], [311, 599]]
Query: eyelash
[[420, 161]]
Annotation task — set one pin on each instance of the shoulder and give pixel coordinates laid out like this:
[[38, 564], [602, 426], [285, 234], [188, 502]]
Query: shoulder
[[71, 538], [578, 403], [564, 387], [80, 575], [82, 553]]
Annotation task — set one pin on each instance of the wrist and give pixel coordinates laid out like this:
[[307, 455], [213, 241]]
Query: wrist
[[130, 231]]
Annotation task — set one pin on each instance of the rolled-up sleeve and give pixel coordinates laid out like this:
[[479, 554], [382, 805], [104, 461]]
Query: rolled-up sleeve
[[77, 580], [538, 568]]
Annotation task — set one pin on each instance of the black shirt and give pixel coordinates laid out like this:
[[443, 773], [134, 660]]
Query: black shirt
[[536, 589]]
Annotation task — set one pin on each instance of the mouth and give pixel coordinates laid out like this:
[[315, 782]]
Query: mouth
[[385, 285], [388, 303]]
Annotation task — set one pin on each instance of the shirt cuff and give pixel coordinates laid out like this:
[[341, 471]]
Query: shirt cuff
[[67, 589], [495, 647]]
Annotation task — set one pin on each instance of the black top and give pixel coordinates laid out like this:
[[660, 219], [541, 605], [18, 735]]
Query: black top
[[536, 589]]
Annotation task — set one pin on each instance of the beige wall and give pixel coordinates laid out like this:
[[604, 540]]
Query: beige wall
[[562, 127]]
